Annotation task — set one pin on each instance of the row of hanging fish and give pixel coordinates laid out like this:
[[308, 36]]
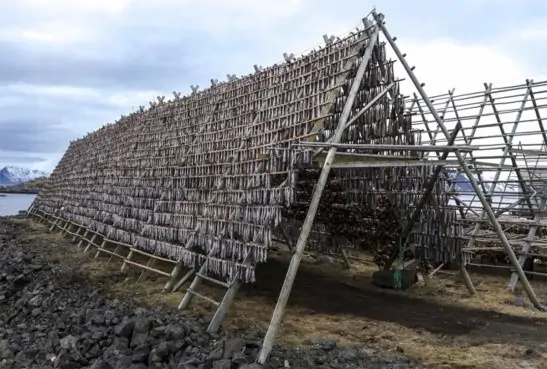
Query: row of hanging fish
[[195, 180]]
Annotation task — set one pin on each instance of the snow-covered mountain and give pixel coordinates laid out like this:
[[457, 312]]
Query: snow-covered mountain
[[464, 185], [11, 175], [504, 194]]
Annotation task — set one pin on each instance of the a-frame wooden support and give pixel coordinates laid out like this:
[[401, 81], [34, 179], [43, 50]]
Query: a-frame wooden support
[[306, 228], [314, 204], [480, 194]]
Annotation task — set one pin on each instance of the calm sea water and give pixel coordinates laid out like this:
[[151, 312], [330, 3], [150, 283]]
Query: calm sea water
[[11, 204]]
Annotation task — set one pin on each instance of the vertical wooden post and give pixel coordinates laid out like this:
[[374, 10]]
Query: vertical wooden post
[[314, 205], [103, 244], [528, 241], [90, 243], [183, 280], [174, 275], [227, 300], [467, 279], [118, 247], [224, 306], [187, 298], [82, 238], [129, 257], [77, 234], [150, 263]]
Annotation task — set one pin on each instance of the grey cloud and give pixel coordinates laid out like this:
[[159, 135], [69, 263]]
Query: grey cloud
[[43, 125], [116, 66], [133, 58], [26, 159], [18, 159], [30, 136]]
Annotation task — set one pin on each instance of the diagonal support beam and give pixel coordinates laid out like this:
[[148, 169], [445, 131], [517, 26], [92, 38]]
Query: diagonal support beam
[[488, 208], [283, 298], [509, 143], [506, 151], [418, 209]]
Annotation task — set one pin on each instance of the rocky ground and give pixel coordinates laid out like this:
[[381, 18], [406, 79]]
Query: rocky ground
[[53, 316]]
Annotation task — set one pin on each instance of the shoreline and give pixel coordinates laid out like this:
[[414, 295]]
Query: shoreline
[[4, 191]]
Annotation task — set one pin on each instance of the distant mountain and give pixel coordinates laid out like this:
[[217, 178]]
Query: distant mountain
[[463, 184], [504, 195], [11, 175]]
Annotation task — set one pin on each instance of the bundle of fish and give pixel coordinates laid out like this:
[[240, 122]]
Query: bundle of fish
[[372, 229]]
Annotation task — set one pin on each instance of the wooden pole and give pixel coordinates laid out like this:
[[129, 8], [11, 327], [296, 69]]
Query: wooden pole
[[528, 241], [227, 301], [175, 273], [224, 306], [314, 205]]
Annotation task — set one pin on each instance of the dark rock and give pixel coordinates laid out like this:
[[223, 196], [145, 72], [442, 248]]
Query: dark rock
[[174, 332], [138, 366], [125, 328], [124, 362], [51, 315], [93, 351], [140, 355], [23, 360], [64, 361], [215, 355], [159, 353], [251, 366], [52, 342], [95, 316], [5, 351], [222, 364], [326, 345], [138, 339], [121, 342], [176, 346], [239, 359], [187, 366], [157, 331], [142, 325], [114, 352], [35, 302], [163, 349], [233, 346], [100, 364], [68, 342], [188, 363]]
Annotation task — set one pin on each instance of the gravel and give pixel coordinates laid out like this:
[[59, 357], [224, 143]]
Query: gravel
[[53, 316]]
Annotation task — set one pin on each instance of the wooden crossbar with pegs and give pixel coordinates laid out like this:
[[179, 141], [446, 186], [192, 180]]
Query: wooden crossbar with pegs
[[149, 267]]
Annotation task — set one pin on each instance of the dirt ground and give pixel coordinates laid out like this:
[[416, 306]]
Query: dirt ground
[[440, 325]]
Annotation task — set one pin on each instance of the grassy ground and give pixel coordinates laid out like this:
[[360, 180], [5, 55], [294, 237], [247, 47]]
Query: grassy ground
[[440, 325]]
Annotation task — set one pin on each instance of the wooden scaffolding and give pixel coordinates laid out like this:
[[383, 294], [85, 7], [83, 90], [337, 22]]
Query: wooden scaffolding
[[166, 217]]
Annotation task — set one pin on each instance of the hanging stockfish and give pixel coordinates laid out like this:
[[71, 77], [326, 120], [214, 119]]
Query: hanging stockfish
[[207, 179]]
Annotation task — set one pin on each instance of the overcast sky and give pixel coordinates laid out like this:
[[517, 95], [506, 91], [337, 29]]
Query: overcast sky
[[67, 67]]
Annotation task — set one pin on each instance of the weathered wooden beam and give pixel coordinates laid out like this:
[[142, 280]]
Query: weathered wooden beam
[[314, 205]]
